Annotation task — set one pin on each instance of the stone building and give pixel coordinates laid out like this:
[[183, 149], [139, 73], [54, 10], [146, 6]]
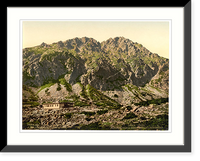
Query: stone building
[[53, 105], [57, 105]]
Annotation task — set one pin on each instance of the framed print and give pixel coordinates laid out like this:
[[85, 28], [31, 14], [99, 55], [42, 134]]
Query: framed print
[[116, 80], [82, 84]]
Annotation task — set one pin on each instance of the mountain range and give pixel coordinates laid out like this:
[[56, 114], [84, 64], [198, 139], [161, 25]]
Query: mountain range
[[118, 68]]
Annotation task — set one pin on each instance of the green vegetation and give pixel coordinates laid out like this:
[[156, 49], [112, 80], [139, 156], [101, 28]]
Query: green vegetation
[[99, 76], [74, 97], [115, 95], [50, 54], [34, 122], [129, 108], [138, 45], [47, 92], [31, 104], [78, 78], [100, 99], [32, 96], [135, 90], [130, 116], [27, 76], [68, 115], [91, 126], [132, 87], [156, 81], [37, 50], [81, 103], [96, 126], [161, 73], [64, 101], [117, 83], [88, 113], [159, 122], [101, 112], [83, 93], [153, 101], [156, 89], [88, 119], [66, 85], [45, 86], [31, 100], [90, 93], [62, 81], [116, 107], [59, 87], [88, 44], [100, 104]]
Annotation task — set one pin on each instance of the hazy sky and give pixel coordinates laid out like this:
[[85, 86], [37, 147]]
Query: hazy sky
[[154, 35]]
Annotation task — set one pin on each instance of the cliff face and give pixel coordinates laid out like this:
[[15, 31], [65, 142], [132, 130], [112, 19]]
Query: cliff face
[[112, 67]]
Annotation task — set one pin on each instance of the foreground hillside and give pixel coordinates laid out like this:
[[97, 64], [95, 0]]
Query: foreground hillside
[[114, 76], [93, 117]]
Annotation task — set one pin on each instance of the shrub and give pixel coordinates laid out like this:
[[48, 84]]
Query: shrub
[[62, 81], [34, 122], [59, 87], [142, 118], [81, 104], [154, 101], [100, 104], [116, 107], [92, 126], [46, 90], [88, 113], [160, 121], [162, 73], [45, 86], [129, 108], [68, 115], [88, 44], [33, 98], [74, 97], [102, 112], [100, 98], [130, 116], [32, 104], [66, 85], [88, 119], [78, 78], [64, 101], [115, 95]]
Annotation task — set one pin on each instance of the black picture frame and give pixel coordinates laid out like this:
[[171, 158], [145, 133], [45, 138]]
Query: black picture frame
[[126, 148]]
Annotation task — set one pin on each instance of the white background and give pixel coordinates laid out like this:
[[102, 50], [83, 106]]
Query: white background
[[175, 137]]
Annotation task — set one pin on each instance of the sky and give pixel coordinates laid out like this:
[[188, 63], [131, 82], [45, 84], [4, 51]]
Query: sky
[[154, 35]]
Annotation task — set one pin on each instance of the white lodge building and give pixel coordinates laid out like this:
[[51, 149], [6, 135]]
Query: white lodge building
[[53, 105]]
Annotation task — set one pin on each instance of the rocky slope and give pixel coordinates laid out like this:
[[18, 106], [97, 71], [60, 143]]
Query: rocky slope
[[109, 75], [93, 118]]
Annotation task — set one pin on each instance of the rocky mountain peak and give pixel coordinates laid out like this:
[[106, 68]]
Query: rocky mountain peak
[[116, 58], [44, 45], [60, 44]]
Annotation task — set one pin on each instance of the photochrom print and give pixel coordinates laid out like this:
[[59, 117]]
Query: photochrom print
[[95, 75]]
